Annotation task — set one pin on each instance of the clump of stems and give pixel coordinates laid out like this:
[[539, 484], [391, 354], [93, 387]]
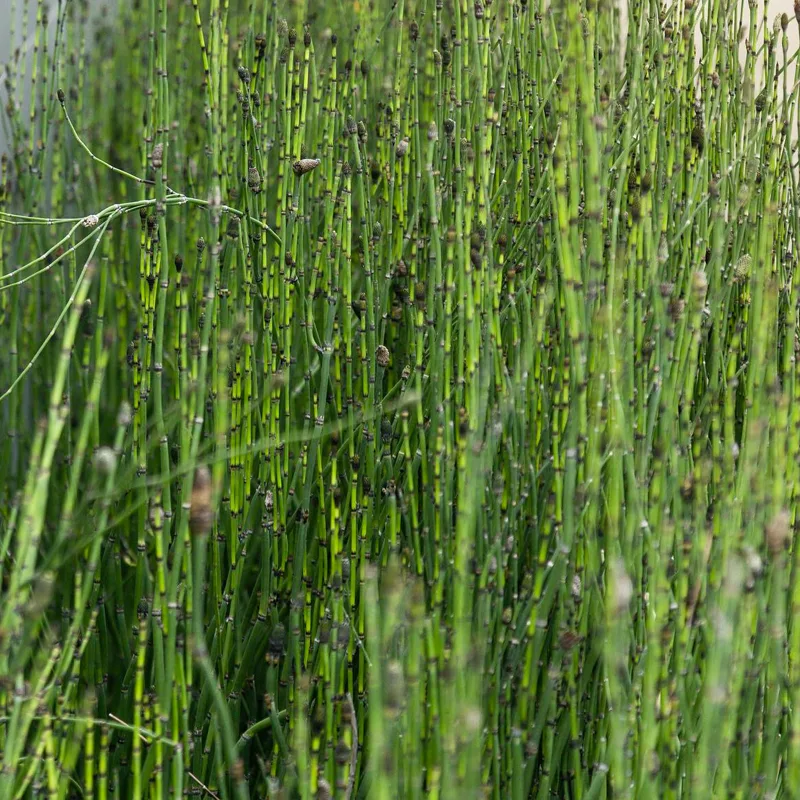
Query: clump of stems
[[400, 399]]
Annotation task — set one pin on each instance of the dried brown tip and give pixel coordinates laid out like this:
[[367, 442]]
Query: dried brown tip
[[237, 770], [777, 532], [124, 415], [741, 270], [157, 156], [699, 285], [305, 165], [382, 355], [254, 180], [201, 516]]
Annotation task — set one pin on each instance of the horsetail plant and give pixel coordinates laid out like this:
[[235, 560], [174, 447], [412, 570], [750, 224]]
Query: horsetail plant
[[400, 399]]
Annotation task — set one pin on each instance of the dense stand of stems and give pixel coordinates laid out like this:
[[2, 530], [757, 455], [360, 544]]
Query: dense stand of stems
[[400, 399]]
